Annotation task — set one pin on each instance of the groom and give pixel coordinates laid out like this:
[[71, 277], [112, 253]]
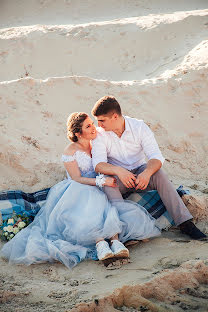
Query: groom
[[121, 148]]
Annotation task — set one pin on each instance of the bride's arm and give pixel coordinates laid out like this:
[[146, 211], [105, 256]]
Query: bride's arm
[[74, 172]]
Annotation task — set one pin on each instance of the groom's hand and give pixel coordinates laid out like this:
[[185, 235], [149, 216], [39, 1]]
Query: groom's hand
[[126, 177], [142, 180]]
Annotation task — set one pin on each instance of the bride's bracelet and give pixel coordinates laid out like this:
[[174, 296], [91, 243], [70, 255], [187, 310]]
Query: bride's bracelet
[[100, 180]]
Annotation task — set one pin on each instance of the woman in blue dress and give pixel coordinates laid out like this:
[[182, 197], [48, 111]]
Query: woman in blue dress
[[77, 217]]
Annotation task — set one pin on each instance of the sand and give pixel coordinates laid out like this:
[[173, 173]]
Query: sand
[[57, 57]]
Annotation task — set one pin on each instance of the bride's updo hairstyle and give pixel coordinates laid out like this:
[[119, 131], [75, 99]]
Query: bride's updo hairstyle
[[74, 125]]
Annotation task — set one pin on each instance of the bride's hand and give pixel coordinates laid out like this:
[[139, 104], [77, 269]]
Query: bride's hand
[[110, 181]]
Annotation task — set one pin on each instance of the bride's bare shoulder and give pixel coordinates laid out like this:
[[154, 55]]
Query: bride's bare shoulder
[[70, 149]]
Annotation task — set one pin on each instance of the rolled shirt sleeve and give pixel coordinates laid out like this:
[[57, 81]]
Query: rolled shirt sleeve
[[99, 149], [149, 144]]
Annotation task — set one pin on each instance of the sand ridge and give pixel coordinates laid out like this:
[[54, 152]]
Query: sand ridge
[[130, 47]]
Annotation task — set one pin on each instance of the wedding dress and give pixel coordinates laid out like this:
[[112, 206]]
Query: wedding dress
[[74, 216]]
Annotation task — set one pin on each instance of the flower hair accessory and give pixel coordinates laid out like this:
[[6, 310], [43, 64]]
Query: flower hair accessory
[[100, 180]]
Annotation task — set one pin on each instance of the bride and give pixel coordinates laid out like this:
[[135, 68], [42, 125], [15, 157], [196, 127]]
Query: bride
[[77, 217]]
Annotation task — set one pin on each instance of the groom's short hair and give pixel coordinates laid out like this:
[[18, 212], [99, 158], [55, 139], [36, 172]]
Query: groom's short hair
[[105, 105]]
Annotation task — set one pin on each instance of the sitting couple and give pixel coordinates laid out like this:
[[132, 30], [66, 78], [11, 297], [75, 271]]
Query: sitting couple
[[87, 209]]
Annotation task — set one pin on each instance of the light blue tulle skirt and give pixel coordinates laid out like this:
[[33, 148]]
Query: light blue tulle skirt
[[73, 218]]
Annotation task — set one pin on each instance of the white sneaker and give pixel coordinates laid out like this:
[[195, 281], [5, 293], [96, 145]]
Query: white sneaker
[[119, 249], [103, 250]]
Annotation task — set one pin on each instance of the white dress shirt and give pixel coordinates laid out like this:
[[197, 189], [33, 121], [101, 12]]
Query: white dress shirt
[[128, 151]]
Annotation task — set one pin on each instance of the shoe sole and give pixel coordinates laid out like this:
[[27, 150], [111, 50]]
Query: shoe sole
[[110, 255], [194, 237], [122, 254], [201, 239], [131, 243]]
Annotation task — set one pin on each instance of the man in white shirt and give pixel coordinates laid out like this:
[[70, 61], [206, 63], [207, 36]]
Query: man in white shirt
[[121, 148]]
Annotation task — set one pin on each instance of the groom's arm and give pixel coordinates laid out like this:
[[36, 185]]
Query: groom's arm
[[126, 177], [142, 181], [106, 168], [101, 165], [154, 155], [99, 155]]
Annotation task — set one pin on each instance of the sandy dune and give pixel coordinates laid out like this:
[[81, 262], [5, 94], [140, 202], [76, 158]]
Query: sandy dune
[[121, 49], [48, 12], [57, 57]]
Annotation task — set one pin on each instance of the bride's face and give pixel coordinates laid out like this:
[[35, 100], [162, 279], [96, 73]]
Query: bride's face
[[89, 131]]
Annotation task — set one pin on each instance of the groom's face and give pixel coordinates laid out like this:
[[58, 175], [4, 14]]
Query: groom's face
[[107, 122]]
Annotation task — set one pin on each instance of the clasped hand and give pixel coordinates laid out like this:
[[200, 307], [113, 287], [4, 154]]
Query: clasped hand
[[142, 180], [131, 180]]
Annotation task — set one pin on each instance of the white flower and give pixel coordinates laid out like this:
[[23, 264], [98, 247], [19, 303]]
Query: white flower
[[11, 235], [6, 234], [10, 228], [21, 224], [5, 228], [16, 230], [10, 221]]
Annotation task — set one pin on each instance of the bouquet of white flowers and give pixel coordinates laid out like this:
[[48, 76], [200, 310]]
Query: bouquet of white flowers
[[12, 226]]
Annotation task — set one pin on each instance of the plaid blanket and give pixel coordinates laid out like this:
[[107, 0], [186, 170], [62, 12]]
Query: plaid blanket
[[21, 203], [30, 203]]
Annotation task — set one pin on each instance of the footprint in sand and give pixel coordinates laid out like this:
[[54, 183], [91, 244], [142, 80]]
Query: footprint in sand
[[53, 275]]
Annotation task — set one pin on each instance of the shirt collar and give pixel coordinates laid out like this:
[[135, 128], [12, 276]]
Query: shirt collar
[[127, 127]]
